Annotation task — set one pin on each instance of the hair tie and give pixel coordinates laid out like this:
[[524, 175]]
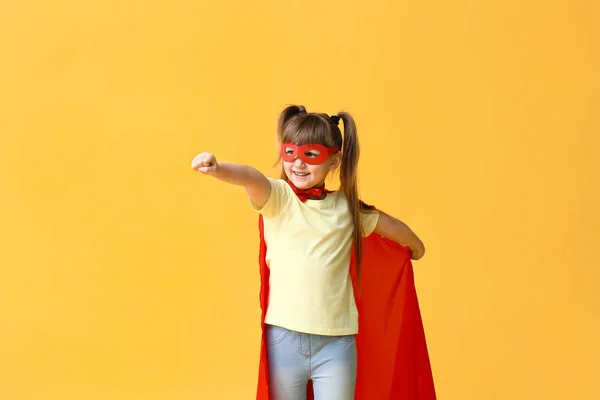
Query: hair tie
[[335, 119]]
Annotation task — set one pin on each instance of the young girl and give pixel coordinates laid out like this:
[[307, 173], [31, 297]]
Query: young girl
[[311, 316]]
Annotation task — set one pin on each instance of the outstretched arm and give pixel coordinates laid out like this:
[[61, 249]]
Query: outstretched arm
[[256, 184], [396, 230]]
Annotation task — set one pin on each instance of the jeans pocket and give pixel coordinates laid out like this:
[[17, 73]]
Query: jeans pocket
[[347, 338], [275, 334]]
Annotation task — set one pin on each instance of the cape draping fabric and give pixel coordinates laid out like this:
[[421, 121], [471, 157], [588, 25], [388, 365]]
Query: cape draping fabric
[[393, 362]]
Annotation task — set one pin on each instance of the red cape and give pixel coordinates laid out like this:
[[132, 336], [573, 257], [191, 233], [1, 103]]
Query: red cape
[[393, 362]]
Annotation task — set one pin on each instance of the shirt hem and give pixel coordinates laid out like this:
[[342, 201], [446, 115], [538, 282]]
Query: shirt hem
[[315, 331]]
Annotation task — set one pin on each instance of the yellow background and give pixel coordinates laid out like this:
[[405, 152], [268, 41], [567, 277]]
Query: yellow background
[[125, 275]]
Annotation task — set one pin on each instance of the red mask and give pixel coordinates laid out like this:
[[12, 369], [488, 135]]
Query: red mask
[[307, 153]]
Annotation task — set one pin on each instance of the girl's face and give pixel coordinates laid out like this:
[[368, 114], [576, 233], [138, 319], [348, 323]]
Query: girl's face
[[306, 176]]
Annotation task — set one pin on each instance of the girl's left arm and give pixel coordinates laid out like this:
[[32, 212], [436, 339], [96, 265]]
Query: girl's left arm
[[396, 230]]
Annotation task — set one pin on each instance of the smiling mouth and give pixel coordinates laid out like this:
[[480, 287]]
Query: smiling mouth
[[300, 174]]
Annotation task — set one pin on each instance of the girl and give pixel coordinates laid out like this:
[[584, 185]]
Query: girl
[[311, 316]]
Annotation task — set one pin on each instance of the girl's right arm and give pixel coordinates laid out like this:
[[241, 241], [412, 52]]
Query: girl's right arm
[[256, 184]]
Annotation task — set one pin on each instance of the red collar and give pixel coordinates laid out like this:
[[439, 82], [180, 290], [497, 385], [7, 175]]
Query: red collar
[[314, 193]]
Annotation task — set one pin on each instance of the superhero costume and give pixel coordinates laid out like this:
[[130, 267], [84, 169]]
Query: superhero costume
[[393, 361]]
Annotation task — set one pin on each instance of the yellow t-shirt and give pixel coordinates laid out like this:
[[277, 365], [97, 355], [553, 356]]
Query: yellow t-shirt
[[308, 254]]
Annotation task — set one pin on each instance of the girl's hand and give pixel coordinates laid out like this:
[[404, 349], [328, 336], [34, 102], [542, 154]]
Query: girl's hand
[[256, 184], [205, 163]]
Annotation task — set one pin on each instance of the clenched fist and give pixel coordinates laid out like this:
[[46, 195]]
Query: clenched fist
[[205, 163]]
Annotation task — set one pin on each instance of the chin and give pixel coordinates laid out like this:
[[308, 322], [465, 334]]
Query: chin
[[299, 183], [302, 184]]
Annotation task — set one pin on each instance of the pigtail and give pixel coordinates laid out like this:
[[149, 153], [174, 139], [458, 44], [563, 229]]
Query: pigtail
[[286, 115], [349, 183]]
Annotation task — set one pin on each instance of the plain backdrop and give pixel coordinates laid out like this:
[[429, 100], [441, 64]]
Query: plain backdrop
[[124, 275]]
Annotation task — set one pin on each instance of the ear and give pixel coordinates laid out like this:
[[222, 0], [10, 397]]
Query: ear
[[336, 160]]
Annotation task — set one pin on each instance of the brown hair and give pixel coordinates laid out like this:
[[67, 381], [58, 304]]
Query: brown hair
[[297, 126]]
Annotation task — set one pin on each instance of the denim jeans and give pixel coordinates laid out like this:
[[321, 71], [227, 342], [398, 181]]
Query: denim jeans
[[295, 358]]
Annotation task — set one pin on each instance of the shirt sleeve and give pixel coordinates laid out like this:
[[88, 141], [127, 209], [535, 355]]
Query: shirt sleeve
[[278, 199], [369, 221]]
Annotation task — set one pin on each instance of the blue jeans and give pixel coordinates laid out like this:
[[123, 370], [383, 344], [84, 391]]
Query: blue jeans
[[295, 358]]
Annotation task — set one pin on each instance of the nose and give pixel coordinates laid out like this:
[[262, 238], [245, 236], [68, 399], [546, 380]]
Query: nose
[[298, 163]]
